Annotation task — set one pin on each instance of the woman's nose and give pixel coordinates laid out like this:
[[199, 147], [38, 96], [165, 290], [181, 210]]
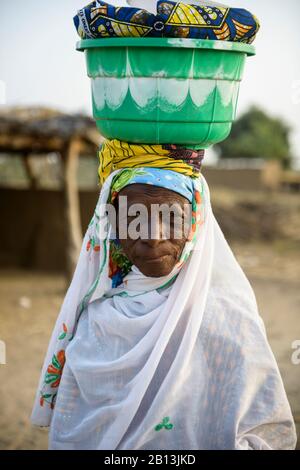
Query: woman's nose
[[155, 232]]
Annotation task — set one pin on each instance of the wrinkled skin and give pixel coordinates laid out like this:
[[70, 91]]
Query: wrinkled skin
[[156, 256]]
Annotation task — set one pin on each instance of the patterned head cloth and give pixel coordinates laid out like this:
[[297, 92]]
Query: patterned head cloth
[[173, 19], [116, 154]]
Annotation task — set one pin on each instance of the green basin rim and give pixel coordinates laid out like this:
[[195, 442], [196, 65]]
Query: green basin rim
[[162, 122], [229, 46]]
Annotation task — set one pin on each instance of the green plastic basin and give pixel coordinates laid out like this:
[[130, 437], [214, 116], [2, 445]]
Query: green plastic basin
[[162, 90]]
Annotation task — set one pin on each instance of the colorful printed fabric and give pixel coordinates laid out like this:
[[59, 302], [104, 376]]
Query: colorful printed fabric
[[100, 20], [116, 154], [167, 179]]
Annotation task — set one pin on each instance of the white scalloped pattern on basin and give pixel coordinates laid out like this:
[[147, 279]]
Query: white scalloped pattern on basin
[[172, 92]]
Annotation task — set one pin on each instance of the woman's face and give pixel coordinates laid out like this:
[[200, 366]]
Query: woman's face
[[156, 250]]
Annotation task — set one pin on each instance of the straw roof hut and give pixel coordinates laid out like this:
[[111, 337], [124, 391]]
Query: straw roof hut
[[39, 131]]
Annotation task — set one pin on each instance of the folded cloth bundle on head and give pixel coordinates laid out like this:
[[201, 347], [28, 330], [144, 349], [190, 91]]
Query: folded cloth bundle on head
[[173, 19], [116, 154]]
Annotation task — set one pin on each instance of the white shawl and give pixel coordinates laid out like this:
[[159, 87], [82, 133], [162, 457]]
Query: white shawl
[[187, 367]]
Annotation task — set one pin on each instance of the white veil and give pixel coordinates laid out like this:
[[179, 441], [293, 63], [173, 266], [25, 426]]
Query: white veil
[[189, 368]]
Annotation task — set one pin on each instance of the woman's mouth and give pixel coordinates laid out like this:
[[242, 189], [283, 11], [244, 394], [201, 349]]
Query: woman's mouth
[[156, 259]]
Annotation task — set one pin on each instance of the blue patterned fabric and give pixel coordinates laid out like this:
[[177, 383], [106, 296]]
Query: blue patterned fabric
[[173, 19], [167, 179]]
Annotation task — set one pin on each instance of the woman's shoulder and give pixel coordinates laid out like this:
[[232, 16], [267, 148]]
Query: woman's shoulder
[[234, 319]]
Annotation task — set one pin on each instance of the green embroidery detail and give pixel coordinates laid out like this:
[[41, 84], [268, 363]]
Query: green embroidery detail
[[92, 289], [167, 284], [164, 424], [49, 398], [65, 333]]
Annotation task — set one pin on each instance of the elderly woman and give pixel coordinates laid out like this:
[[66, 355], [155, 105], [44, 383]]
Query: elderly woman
[[159, 343]]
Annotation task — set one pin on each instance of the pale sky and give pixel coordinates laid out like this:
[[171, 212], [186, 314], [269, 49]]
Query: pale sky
[[40, 66]]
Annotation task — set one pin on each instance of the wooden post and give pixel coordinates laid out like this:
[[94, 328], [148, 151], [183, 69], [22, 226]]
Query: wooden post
[[70, 158], [29, 171]]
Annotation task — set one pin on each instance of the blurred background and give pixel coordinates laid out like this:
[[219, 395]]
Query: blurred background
[[47, 195]]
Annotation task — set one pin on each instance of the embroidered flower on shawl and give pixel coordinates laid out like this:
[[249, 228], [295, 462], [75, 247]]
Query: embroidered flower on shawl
[[92, 243], [53, 377], [64, 332], [55, 369], [164, 424]]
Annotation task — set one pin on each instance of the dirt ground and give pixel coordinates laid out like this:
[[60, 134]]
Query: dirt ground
[[30, 303]]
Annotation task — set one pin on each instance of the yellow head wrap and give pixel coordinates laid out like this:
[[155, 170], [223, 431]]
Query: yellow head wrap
[[116, 154]]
